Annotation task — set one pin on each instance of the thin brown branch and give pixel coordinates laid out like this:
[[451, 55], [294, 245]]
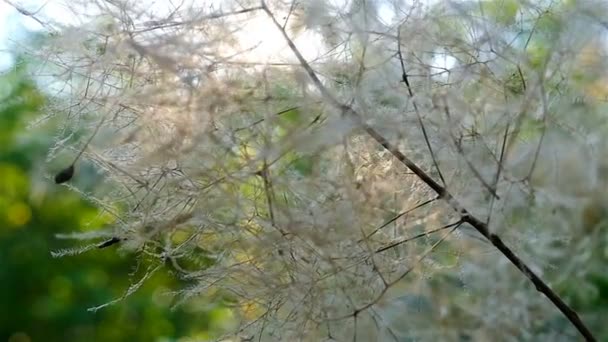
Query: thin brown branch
[[262, 119], [30, 14], [157, 25], [405, 80], [404, 274], [396, 217], [268, 191], [460, 150], [400, 242], [480, 226], [498, 170]]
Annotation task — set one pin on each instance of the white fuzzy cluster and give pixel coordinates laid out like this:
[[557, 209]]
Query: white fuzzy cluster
[[245, 179]]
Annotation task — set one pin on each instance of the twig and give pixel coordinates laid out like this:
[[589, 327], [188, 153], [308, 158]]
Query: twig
[[405, 80], [498, 169], [396, 217], [460, 150], [480, 226], [400, 242], [30, 14]]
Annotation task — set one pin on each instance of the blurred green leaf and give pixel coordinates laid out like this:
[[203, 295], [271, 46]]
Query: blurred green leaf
[[502, 11]]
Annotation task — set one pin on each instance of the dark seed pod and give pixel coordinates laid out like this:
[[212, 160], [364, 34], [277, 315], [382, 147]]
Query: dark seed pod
[[65, 175], [109, 243]]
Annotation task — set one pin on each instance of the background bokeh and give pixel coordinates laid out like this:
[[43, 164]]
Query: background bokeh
[[43, 298]]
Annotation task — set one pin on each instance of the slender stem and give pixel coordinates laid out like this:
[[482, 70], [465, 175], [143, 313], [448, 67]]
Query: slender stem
[[480, 226], [405, 80]]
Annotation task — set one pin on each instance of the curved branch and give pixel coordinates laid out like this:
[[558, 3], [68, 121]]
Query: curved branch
[[480, 226]]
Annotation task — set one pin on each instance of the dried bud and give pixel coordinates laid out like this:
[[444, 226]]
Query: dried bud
[[109, 243], [65, 175]]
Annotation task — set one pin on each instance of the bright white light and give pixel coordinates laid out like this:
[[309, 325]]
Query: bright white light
[[6, 58], [271, 45], [386, 13], [13, 24], [258, 32], [441, 63]]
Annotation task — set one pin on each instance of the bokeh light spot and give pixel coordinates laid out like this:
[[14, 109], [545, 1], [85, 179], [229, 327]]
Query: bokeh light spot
[[18, 214]]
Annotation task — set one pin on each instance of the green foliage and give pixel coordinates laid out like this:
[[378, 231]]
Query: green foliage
[[45, 298], [501, 11], [292, 116], [304, 165]]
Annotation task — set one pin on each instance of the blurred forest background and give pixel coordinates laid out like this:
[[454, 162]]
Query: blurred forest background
[[44, 298]]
